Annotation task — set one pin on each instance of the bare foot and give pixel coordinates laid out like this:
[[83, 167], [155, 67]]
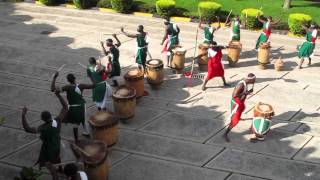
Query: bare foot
[[225, 136], [253, 140], [203, 88], [300, 67]]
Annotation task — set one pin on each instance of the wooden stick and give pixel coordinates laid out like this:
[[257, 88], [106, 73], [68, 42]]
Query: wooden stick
[[227, 17], [81, 150], [60, 68], [82, 65], [63, 163]]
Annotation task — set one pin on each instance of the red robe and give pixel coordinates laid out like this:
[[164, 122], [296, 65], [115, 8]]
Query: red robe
[[215, 67]]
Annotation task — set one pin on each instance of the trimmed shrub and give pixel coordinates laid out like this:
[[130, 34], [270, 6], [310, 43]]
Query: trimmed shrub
[[208, 10], [49, 2], [104, 4], [145, 8], [249, 17], [295, 22], [122, 6], [166, 8], [83, 4]]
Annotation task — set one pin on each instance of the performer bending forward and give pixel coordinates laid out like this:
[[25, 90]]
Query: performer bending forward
[[102, 90], [171, 39], [142, 45], [307, 48], [266, 32], [209, 30], [239, 96], [215, 66]]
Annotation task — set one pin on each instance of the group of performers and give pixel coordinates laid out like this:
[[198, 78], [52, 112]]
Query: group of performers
[[73, 111]]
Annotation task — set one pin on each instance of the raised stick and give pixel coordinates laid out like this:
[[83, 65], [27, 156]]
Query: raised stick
[[82, 65], [81, 150]]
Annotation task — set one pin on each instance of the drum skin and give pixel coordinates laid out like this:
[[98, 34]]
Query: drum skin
[[155, 72], [105, 127], [234, 51], [263, 110], [124, 104], [203, 60], [134, 79], [178, 58]]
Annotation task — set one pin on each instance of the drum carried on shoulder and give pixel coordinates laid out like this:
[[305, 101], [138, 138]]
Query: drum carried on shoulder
[[203, 60], [155, 72], [264, 55], [134, 78], [261, 122], [178, 59], [234, 51]]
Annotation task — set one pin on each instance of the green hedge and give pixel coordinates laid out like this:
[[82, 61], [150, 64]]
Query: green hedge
[[249, 17], [84, 4], [49, 2], [295, 22], [122, 6], [104, 4], [207, 10], [165, 8]]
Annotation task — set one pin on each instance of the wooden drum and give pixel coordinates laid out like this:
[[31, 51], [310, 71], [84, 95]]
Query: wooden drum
[[278, 65], [178, 58], [155, 73], [203, 60], [263, 110], [124, 102], [264, 55], [234, 51], [134, 79], [94, 155], [105, 127]]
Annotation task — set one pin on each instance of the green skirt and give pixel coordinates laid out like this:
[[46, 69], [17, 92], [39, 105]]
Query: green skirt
[[173, 41], [99, 92], [306, 49], [116, 70], [142, 56], [262, 38], [76, 114], [236, 37]]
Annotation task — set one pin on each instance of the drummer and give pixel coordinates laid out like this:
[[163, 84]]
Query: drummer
[[76, 112], [49, 133], [239, 96], [171, 39], [114, 53], [234, 29], [142, 45], [215, 66], [102, 89], [209, 30], [307, 48], [266, 32]]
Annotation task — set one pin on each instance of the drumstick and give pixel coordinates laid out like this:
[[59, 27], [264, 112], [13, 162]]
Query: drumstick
[[81, 150], [82, 65], [60, 68], [227, 19], [63, 163]]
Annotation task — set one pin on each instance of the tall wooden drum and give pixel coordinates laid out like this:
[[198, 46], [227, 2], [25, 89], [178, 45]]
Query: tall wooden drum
[[124, 102], [134, 79], [234, 51], [264, 55], [203, 60], [263, 110], [155, 73], [94, 155], [105, 127], [178, 58]]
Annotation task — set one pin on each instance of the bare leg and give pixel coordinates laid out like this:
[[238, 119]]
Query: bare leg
[[99, 109], [224, 81], [168, 61], [225, 135], [301, 62], [204, 85], [75, 134], [309, 61]]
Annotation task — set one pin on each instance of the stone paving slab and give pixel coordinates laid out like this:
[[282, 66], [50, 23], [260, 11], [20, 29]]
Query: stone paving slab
[[10, 172], [4, 110], [186, 127], [310, 152], [166, 148], [264, 166], [13, 119], [137, 168], [277, 143], [312, 130], [308, 117], [242, 177]]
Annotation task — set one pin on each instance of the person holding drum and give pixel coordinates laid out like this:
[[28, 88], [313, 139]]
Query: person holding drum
[[209, 30], [76, 112], [307, 48], [215, 66], [239, 96], [102, 89], [142, 45], [114, 53], [171, 39], [266, 32], [235, 29], [49, 133]]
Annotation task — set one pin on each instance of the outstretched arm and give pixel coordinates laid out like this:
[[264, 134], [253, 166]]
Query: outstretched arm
[[260, 20], [64, 110], [127, 34], [105, 52], [53, 83], [118, 44], [277, 21], [25, 124], [165, 36]]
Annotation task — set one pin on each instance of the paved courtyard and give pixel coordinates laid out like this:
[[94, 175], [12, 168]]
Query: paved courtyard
[[176, 132]]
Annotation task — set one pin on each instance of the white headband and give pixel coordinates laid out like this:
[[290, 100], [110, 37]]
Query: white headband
[[253, 77]]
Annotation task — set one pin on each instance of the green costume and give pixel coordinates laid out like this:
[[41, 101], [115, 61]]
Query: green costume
[[76, 113], [142, 49], [116, 70], [306, 49], [173, 35], [235, 36], [50, 148], [208, 35], [264, 36], [99, 91]]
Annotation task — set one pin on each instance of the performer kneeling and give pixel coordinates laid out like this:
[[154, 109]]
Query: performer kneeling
[[49, 133], [307, 48], [102, 90], [239, 96], [215, 66]]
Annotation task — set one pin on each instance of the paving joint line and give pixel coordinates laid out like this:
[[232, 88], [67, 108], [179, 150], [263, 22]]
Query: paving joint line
[[295, 114], [20, 148], [281, 77], [213, 135], [213, 157], [229, 175], [152, 120], [304, 145], [305, 87], [258, 91], [121, 159]]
